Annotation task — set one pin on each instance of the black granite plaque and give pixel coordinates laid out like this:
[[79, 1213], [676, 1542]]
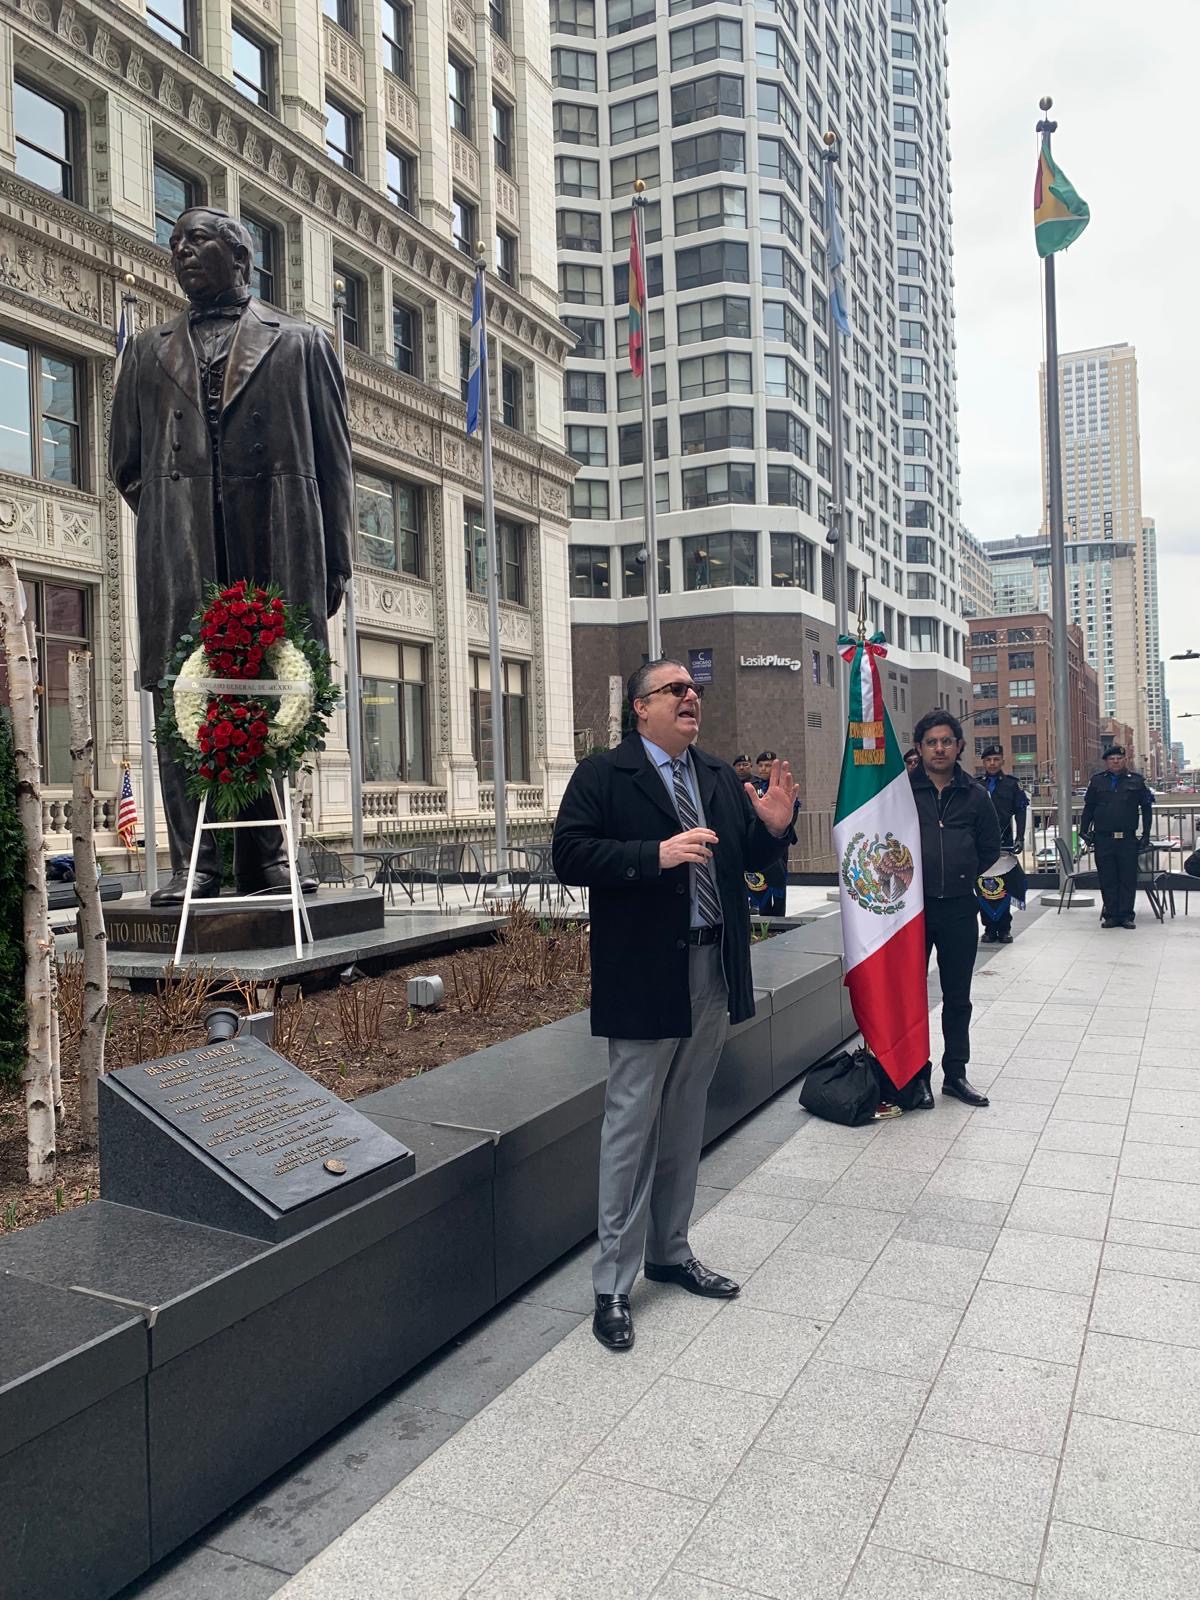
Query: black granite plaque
[[213, 928], [234, 1136]]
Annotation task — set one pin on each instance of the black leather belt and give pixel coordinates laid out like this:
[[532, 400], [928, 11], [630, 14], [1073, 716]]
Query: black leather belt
[[709, 935]]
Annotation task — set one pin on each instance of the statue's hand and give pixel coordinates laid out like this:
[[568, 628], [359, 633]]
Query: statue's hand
[[335, 588]]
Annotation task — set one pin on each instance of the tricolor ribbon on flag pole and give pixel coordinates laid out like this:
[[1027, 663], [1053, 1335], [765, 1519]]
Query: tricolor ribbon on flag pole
[[877, 841]]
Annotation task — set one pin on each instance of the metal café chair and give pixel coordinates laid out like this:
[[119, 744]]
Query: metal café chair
[[330, 867]]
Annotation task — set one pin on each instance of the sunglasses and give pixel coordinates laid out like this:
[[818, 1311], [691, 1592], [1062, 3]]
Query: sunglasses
[[679, 688]]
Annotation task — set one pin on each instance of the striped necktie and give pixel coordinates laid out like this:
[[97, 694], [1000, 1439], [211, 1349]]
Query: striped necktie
[[706, 890]]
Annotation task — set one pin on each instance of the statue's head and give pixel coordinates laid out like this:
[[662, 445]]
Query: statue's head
[[211, 253]]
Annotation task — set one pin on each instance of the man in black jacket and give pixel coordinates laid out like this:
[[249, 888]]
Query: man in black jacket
[[1110, 822], [960, 840], [660, 834], [1012, 804]]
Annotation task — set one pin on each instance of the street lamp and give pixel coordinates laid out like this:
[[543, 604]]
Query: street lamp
[[1187, 655]]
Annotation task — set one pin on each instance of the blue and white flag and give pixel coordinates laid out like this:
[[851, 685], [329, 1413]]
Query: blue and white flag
[[122, 339], [477, 370], [835, 247]]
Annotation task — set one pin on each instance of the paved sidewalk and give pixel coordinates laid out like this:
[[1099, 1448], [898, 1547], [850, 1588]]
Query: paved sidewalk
[[963, 1365]]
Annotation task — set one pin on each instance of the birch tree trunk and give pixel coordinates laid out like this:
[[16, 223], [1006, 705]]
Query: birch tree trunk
[[92, 936], [39, 947]]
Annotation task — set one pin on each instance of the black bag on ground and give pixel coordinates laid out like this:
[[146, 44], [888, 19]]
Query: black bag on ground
[[1192, 865], [843, 1089]]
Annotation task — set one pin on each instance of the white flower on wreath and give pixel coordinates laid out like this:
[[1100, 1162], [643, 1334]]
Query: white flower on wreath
[[285, 661]]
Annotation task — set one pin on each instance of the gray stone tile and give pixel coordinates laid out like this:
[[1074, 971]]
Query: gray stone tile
[[846, 1418], [472, 1370], [1068, 1211], [567, 1285], [1092, 1108], [879, 1189], [1139, 1381], [1108, 1085], [771, 1207], [969, 1504], [975, 1180], [202, 1573], [1155, 1263], [1085, 1138], [1131, 1479], [1025, 1091], [786, 1185], [1001, 1399], [803, 1285], [1007, 1114], [407, 1549], [1171, 1164], [904, 1155], [1088, 1564], [1044, 1261], [1149, 1200], [725, 1169], [302, 1510], [789, 1529], [848, 1231], [1140, 1307], [883, 1574], [685, 1586], [1159, 1130], [978, 1142], [734, 1244], [941, 1275], [902, 1337], [1039, 1323], [596, 1535], [1185, 1079], [745, 1348], [934, 1227], [1065, 1169], [706, 1198], [1154, 1235], [1166, 1102], [1040, 1066], [681, 1437], [812, 1161]]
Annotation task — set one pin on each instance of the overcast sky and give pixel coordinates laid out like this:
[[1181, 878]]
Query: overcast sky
[[1123, 78]]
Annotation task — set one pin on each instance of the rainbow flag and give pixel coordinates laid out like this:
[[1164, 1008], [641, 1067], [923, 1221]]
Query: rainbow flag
[[1059, 214], [637, 299]]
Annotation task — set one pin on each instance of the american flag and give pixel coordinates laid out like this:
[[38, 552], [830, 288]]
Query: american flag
[[127, 817]]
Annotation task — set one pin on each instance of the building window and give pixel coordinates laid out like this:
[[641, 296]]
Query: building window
[[626, 170], [41, 408], [726, 317], [791, 562], [923, 634], [629, 444], [654, 327], [510, 551], [355, 297], [723, 428], [727, 483], [502, 135], [62, 623], [1021, 688], [514, 677], [720, 262], [45, 139], [506, 257], [576, 178], [573, 69], [459, 78], [580, 286], [725, 372], [512, 404], [578, 230], [587, 445], [633, 119], [397, 39], [633, 570], [576, 124], [395, 742], [651, 223], [625, 15], [1019, 661], [632, 63], [401, 178], [720, 560], [786, 486], [406, 339], [629, 388], [172, 21], [174, 193], [388, 514], [718, 95], [573, 16], [706, 41], [498, 16], [584, 391], [253, 62], [590, 578], [719, 207], [464, 225], [341, 135], [263, 255], [464, 368], [341, 12], [983, 663], [589, 499]]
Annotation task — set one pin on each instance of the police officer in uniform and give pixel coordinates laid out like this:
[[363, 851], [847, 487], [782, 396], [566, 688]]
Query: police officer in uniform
[[1011, 803], [1114, 799]]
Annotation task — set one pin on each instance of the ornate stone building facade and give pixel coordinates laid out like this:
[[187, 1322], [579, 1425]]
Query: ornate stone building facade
[[374, 143]]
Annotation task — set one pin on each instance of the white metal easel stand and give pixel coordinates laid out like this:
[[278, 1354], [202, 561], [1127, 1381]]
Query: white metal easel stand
[[292, 896]]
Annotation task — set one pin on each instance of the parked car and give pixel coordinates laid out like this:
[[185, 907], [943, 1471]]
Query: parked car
[[1047, 857]]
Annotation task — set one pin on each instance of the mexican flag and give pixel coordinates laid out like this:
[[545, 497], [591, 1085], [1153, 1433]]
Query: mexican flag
[[877, 840]]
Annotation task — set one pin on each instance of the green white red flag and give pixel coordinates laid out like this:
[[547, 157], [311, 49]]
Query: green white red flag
[[877, 840]]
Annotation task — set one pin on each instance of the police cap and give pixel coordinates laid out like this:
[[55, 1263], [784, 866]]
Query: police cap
[[993, 750], [1114, 750]]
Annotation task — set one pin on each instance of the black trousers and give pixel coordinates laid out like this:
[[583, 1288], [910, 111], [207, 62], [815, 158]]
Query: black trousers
[[952, 929], [1000, 925], [1116, 866]]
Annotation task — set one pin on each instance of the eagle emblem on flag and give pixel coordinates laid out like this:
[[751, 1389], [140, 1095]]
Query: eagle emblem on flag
[[878, 874]]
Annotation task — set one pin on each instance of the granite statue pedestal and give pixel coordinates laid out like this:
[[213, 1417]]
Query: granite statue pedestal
[[211, 929]]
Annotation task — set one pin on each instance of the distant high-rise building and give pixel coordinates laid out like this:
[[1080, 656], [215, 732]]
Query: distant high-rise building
[[975, 573], [1102, 503], [721, 112]]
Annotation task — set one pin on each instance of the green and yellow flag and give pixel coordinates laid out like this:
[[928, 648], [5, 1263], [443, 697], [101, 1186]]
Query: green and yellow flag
[[1059, 214]]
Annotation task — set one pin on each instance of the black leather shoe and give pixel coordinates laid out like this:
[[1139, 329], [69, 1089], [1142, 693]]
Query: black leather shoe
[[922, 1097], [206, 887], [276, 880], [989, 936], [1129, 922], [1005, 938], [1109, 922], [613, 1323], [962, 1090], [696, 1279]]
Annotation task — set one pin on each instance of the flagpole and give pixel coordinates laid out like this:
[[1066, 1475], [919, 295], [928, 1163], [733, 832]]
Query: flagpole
[[353, 682], [1058, 553], [145, 697], [838, 519], [499, 764], [649, 509]]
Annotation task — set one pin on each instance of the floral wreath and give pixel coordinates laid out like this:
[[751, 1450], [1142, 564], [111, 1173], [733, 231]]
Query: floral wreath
[[249, 700]]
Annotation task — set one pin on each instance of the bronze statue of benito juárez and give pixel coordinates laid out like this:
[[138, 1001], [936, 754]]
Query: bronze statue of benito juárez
[[230, 441]]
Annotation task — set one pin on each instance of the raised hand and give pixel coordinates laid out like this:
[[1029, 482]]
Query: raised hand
[[685, 848], [775, 806]]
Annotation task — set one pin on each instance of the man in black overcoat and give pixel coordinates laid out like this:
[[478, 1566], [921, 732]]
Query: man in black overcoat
[[661, 833], [231, 443]]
